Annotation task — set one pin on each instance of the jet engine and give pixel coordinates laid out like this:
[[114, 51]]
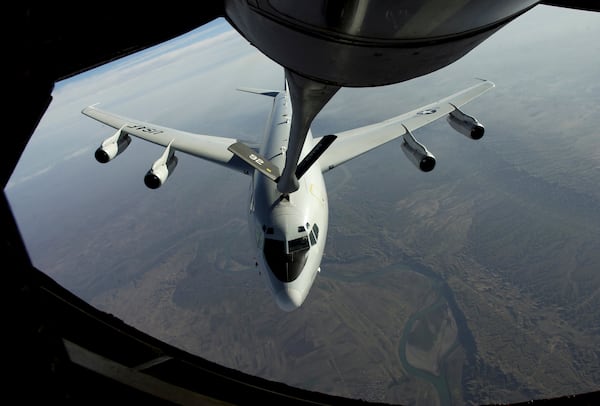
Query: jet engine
[[417, 153], [161, 169], [465, 124], [112, 146]]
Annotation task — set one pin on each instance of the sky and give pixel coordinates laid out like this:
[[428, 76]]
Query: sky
[[542, 116], [197, 73], [146, 76]]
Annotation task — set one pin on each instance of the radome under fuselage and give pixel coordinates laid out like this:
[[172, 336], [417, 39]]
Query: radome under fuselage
[[288, 231]]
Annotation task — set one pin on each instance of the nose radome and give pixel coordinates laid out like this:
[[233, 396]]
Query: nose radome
[[289, 299]]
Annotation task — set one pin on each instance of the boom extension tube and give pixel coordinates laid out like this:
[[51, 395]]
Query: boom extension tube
[[314, 154]]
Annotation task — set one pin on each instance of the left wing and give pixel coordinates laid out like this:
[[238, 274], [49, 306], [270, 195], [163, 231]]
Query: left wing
[[355, 142], [211, 148]]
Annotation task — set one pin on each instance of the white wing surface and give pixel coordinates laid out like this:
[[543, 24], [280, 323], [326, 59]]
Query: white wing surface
[[355, 142], [207, 147]]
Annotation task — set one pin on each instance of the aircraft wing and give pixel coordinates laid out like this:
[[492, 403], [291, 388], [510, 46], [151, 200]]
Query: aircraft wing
[[352, 143], [211, 148]]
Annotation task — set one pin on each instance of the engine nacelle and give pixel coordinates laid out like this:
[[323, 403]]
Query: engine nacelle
[[112, 146], [417, 153], [161, 169], [465, 124]]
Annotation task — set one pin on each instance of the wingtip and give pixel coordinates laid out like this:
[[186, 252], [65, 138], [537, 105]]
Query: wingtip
[[487, 81], [91, 106]]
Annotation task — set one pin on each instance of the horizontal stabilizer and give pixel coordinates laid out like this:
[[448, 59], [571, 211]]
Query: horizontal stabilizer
[[314, 154], [251, 157], [263, 92]]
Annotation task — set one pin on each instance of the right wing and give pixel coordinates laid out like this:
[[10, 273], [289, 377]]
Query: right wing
[[355, 142], [211, 148]]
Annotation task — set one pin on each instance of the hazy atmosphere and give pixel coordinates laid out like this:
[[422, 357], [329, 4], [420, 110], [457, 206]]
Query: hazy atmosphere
[[476, 283]]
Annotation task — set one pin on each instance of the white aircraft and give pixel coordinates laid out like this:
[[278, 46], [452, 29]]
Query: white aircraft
[[288, 230]]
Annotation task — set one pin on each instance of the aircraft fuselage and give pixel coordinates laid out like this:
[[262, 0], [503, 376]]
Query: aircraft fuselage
[[288, 231]]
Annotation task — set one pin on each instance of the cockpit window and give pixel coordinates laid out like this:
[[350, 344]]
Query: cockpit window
[[316, 230], [313, 239], [267, 230], [274, 247], [298, 244], [286, 266]]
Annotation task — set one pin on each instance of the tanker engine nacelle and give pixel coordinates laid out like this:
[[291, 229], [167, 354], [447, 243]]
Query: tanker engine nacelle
[[465, 124], [161, 169], [417, 153], [112, 146]]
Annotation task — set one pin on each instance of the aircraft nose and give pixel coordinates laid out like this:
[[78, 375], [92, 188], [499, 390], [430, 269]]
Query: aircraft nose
[[289, 299]]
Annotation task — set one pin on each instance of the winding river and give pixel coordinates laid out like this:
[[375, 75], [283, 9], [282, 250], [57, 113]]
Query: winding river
[[445, 297]]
